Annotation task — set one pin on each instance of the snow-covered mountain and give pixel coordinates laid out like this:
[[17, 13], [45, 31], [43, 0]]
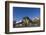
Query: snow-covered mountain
[[35, 19], [19, 21]]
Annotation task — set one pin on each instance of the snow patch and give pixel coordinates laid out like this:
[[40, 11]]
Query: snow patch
[[19, 21]]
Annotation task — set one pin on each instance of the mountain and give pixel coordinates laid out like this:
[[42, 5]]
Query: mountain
[[27, 22], [35, 19], [19, 21]]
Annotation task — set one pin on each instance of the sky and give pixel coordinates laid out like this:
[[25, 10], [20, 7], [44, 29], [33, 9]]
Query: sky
[[20, 12]]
